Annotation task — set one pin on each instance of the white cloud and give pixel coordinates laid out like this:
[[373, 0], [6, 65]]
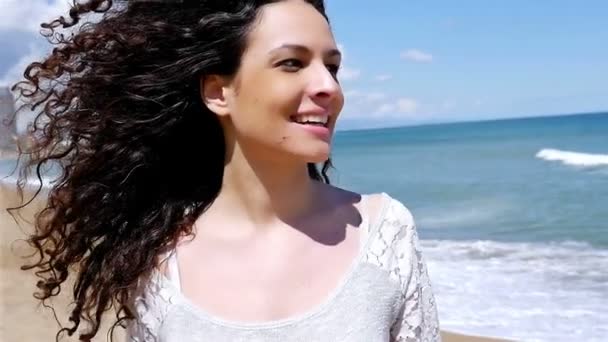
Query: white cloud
[[382, 78], [348, 74], [361, 97], [342, 51], [376, 108], [26, 15], [372, 97], [352, 93], [400, 108], [15, 73], [415, 55], [361, 104], [385, 108], [407, 105]]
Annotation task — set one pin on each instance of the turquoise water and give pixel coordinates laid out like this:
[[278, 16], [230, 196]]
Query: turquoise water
[[484, 181], [513, 217]]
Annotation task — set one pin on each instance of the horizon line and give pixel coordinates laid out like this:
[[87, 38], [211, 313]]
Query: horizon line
[[469, 121]]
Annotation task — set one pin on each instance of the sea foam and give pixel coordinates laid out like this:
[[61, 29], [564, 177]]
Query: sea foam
[[573, 158], [520, 290]]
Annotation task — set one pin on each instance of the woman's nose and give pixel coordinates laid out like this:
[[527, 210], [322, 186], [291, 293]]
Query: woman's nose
[[323, 83]]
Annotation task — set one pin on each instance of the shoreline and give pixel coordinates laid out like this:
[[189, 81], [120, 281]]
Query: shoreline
[[17, 304], [449, 336]]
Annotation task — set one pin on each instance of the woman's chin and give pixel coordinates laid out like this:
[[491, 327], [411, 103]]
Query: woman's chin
[[317, 156], [314, 152], [318, 160]]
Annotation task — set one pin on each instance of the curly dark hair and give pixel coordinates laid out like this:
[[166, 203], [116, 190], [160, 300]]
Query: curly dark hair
[[118, 110]]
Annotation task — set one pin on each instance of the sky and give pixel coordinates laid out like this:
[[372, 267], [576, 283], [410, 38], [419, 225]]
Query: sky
[[408, 62]]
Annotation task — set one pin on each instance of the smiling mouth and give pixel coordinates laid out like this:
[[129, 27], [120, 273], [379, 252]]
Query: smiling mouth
[[311, 122]]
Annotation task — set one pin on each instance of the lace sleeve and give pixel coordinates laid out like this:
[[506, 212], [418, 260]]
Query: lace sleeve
[[150, 305], [417, 320]]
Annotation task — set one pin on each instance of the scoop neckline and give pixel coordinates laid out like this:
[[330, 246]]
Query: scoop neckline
[[300, 317]]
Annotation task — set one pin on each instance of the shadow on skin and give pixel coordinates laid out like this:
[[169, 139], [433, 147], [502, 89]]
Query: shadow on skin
[[330, 225]]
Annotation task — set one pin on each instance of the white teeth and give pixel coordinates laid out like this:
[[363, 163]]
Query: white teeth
[[311, 118]]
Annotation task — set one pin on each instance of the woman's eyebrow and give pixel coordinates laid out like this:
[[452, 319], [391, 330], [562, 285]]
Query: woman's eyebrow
[[304, 49]]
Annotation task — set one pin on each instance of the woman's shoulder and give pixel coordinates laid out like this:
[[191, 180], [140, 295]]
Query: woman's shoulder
[[382, 209], [392, 240], [390, 218], [397, 211]]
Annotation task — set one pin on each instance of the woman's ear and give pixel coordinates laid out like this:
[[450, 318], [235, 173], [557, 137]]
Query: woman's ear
[[214, 90]]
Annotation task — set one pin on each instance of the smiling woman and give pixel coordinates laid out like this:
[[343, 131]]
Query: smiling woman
[[189, 199]]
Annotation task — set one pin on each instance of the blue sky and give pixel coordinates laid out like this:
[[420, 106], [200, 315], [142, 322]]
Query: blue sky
[[471, 59], [409, 62]]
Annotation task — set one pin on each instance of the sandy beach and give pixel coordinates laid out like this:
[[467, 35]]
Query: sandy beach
[[21, 317]]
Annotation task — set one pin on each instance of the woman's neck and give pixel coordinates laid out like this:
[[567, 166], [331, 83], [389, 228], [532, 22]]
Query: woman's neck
[[263, 192]]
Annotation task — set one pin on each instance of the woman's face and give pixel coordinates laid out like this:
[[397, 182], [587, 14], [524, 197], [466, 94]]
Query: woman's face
[[285, 98]]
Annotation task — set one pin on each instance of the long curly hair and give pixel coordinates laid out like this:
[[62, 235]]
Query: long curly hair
[[119, 114]]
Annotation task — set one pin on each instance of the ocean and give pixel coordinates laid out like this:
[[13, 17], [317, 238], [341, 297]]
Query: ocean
[[512, 215]]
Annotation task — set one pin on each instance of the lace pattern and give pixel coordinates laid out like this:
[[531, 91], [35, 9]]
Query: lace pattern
[[396, 249], [151, 307]]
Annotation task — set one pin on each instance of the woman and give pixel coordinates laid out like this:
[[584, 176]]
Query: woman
[[188, 133]]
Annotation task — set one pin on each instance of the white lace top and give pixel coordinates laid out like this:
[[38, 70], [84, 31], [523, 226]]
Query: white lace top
[[385, 296]]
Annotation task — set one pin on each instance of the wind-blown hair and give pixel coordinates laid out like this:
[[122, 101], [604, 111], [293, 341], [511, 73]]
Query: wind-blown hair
[[119, 112]]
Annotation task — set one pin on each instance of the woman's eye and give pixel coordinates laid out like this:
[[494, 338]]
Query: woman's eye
[[333, 68], [292, 64]]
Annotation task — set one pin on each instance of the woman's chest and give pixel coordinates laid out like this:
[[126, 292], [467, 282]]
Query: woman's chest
[[266, 285], [364, 310]]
